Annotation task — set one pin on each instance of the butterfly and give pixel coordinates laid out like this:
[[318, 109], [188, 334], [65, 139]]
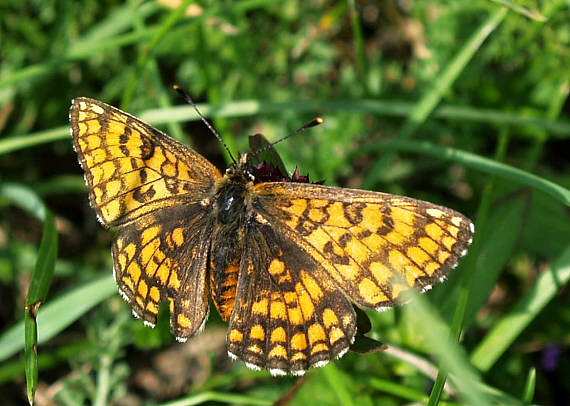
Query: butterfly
[[283, 259]]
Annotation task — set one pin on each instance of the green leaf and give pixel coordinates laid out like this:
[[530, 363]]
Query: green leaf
[[546, 214], [263, 151], [363, 344], [366, 345]]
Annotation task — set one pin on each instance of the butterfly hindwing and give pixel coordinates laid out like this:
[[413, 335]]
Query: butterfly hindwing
[[288, 315], [372, 245], [132, 168], [164, 256]]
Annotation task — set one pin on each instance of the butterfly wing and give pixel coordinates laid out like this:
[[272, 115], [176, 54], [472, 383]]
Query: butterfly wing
[[131, 168], [288, 315], [372, 245], [151, 187], [162, 255]]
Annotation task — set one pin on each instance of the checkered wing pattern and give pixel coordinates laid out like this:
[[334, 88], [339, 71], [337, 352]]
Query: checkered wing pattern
[[132, 168], [288, 314], [373, 246]]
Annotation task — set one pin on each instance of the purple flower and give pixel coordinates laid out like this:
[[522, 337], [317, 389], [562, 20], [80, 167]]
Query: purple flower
[[549, 357]]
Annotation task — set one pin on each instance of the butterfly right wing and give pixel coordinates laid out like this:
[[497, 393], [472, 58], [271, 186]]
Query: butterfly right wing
[[164, 254], [130, 167], [374, 246]]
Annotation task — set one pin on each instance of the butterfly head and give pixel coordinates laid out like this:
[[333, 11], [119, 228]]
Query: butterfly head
[[240, 170]]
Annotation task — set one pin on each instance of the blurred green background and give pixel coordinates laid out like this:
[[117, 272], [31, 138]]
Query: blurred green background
[[464, 104]]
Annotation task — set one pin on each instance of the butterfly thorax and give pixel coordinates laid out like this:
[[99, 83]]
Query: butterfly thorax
[[232, 193]]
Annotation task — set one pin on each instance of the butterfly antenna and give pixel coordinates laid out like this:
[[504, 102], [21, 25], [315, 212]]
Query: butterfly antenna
[[313, 123], [189, 100]]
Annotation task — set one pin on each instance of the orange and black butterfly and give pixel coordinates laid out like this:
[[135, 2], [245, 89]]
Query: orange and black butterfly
[[284, 260]]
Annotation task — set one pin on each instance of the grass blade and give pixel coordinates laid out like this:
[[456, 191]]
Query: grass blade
[[24, 198], [392, 108], [361, 65], [335, 379], [37, 293], [468, 277], [246, 108], [427, 104], [220, 397], [444, 82], [40, 282], [517, 8], [509, 327], [449, 354], [398, 390], [59, 313], [530, 386], [473, 161], [144, 55]]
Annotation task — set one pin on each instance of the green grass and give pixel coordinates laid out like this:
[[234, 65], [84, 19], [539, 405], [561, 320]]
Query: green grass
[[461, 103]]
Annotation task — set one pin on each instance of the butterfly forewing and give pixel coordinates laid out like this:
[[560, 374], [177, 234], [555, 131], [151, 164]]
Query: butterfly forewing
[[132, 168], [151, 187], [373, 245]]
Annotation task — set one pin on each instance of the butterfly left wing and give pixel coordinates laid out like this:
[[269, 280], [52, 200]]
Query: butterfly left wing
[[288, 315], [372, 246], [152, 188]]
